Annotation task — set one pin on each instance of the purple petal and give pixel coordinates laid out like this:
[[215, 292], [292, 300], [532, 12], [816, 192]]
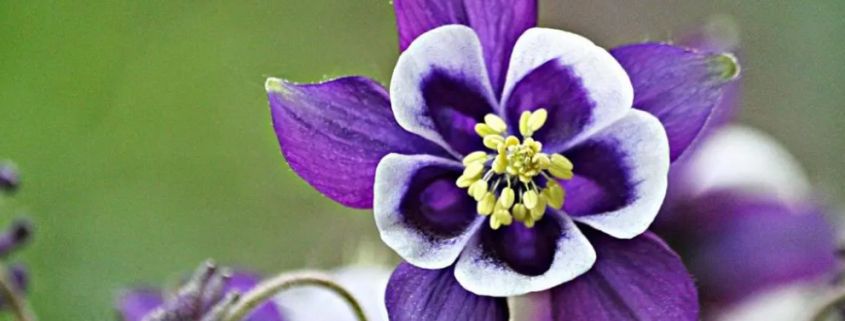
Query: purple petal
[[679, 86], [333, 134], [244, 281], [745, 244], [621, 176], [420, 212], [515, 260], [581, 85], [415, 294], [135, 304], [636, 279], [498, 23], [528, 251], [440, 88]]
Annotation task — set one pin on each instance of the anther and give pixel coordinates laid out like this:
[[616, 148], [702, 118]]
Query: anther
[[486, 204], [474, 157], [478, 190], [507, 198], [493, 141], [496, 123], [508, 191], [484, 130], [537, 119], [529, 198]]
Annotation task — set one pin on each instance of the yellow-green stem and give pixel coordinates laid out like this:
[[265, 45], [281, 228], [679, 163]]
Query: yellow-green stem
[[269, 288], [17, 303]]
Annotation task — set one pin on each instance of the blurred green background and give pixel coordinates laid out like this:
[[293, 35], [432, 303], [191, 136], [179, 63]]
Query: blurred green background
[[144, 139]]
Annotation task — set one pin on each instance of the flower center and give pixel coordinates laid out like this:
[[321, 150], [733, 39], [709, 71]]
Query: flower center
[[507, 182]]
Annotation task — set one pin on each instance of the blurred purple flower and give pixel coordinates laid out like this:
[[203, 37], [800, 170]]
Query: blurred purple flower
[[16, 235], [470, 68], [9, 180], [740, 214], [204, 297], [740, 211]]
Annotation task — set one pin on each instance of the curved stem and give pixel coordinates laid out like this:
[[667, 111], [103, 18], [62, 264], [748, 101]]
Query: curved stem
[[18, 303], [836, 301], [269, 288]]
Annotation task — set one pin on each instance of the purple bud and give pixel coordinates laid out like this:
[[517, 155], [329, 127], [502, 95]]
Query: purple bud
[[20, 277], [15, 236], [9, 180]]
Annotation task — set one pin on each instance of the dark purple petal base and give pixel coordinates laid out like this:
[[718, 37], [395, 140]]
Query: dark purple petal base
[[415, 294]]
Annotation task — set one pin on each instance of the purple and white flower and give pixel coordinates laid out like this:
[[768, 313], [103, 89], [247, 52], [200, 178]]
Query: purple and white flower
[[507, 159]]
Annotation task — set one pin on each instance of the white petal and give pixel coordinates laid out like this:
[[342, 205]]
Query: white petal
[[454, 50], [602, 76], [795, 302], [745, 158], [641, 141], [420, 247], [479, 274]]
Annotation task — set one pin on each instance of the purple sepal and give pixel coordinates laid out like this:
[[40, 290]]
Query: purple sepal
[[632, 280], [679, 86], [498, 24], [415, 294], [333, 134]]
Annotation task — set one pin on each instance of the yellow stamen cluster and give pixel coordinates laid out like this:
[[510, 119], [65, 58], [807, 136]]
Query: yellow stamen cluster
[[503, 183]]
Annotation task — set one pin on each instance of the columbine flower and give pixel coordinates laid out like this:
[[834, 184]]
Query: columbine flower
[[207, 296], [495, 139], [740, 211]]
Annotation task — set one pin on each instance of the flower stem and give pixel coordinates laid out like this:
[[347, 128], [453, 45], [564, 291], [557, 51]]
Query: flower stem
[[836, 301], [269, 288], [17, 303]]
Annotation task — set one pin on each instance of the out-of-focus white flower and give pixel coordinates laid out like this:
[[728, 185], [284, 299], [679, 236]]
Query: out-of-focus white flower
[[796, 302], [366, 283]]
